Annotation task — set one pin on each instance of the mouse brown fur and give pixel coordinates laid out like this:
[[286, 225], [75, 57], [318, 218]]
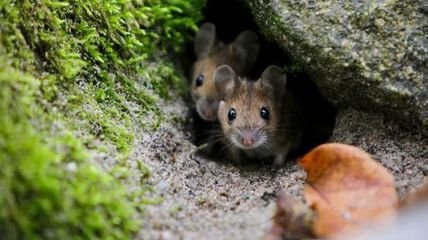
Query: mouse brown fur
[[259, 119], [241, 55]]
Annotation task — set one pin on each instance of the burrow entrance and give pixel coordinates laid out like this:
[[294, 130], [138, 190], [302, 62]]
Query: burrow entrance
[[230, 18]]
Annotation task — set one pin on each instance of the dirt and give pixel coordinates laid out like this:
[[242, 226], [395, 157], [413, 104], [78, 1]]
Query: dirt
[[404, 153], [206, 199]]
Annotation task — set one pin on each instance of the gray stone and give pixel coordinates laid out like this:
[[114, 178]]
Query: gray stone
[[370, 55]]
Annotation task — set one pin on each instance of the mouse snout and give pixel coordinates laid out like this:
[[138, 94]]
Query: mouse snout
[[247, 141], [207, 109], [248, 138]]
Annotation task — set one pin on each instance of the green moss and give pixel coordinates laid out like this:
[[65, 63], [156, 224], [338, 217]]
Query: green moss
[[48, 188], [108, 47], [163, 78], [93, 69]]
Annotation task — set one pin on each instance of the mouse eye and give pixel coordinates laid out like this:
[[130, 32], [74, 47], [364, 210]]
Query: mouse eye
[[231, 115], [199, 80], [264, 113]]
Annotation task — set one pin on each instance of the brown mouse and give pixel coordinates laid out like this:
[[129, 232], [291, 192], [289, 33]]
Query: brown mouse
[[241, 55], [260, 119]]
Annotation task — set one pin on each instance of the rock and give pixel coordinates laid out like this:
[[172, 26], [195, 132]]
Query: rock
[[372, 56]]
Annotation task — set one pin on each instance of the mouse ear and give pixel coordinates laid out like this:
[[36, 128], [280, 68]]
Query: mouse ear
[[274, 78], [245, 50], [225, 81], [204, 40]]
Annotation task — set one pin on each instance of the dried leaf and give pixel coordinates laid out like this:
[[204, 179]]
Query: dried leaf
[[347, 189], [418, 196], [292, 220]]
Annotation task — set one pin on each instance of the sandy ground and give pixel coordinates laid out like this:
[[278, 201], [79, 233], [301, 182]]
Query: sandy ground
[[206, 199], [403, 153]]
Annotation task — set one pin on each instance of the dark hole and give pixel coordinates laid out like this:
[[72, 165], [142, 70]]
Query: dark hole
[[230, 18]]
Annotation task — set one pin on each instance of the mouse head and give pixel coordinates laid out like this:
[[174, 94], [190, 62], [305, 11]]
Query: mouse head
[[249, 110], [240, 55]]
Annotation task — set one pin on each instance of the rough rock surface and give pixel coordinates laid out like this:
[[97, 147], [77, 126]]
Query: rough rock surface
[[371, 55]]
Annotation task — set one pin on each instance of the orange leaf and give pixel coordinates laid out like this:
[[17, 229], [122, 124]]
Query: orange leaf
[[347, 189], [417, 196]]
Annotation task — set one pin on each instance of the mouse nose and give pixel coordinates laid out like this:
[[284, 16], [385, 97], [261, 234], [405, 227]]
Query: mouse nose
[[207, 109], [247, 139], [208, 114]]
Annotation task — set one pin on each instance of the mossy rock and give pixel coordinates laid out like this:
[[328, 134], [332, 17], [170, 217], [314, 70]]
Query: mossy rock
[[77, 79], [370, 55]]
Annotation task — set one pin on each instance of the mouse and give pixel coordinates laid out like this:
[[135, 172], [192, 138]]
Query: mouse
[[240, 55], [259, 119]]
